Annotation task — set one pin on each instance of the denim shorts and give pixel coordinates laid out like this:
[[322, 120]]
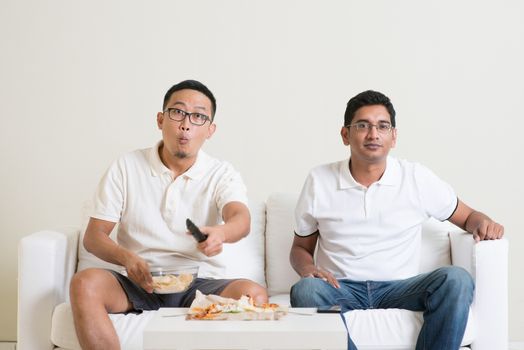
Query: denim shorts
[[142, 300]]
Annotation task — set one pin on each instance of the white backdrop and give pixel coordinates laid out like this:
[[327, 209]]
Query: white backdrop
[[81, 82]]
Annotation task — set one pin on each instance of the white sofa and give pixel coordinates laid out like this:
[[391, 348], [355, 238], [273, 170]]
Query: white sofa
[[48, 259]]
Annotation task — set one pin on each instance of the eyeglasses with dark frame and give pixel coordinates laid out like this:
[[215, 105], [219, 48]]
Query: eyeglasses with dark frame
[[178, 115], [382, 127]]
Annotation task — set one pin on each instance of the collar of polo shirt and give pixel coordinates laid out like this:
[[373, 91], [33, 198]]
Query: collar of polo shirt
[[158, 168], [391, 176]]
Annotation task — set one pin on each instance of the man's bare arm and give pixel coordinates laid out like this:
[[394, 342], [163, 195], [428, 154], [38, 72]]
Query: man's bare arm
[[237, 224], [301, 258], [301, 255], [237, 221], [98, 242], [479, 224]]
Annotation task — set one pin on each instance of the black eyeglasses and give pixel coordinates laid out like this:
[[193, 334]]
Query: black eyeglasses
[[179, 115], [382, 127]]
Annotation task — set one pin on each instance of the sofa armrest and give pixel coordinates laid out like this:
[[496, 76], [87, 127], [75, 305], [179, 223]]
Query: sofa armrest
[[46, 262], [487, 261]]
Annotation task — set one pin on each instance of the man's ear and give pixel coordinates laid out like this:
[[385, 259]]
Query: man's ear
[[393, 137], [211, 130], [159, 120], [344, 132]]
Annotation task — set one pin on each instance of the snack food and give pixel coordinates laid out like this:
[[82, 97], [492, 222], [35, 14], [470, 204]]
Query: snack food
[[214, 307], [173, 279], [172, 284]]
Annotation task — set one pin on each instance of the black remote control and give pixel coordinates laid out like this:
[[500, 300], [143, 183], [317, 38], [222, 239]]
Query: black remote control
[[199, 236], [335, 309]]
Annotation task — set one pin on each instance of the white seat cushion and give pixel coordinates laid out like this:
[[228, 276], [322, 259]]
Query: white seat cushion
[[129, 328], [280, 299], [371, 329]]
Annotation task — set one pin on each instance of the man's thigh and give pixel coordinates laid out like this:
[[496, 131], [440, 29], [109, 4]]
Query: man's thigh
[[410, 294], [315, 292], [353, 295]]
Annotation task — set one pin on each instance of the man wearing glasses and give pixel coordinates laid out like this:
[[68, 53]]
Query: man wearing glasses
[[365, 213], [150, 193]]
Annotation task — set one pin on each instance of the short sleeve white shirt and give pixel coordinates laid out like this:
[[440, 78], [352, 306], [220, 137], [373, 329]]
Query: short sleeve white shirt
[[138, 192], [371, 233]]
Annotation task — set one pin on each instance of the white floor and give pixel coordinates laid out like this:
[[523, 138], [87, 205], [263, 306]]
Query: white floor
[[512, 346]]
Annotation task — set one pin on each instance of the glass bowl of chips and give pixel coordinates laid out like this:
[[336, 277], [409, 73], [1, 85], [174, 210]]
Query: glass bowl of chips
[[173, 279]]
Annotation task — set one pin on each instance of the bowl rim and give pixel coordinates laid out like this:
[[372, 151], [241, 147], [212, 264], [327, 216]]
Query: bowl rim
[[175, 269]]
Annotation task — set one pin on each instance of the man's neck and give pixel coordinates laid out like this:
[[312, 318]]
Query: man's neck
[[177, 165], [366, 173]]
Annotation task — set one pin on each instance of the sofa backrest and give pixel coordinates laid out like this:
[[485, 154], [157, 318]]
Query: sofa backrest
[[280, 276], [263, 256], [435, 250], [246, 258]]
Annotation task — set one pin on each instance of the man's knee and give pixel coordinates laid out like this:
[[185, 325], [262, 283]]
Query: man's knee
[[257, 292], [246, 287], [305, 292], [97, 287], [82, 284], [458, 281]]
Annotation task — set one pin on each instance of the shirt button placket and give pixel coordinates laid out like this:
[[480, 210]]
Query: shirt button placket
[[172, 197], [366, 202]]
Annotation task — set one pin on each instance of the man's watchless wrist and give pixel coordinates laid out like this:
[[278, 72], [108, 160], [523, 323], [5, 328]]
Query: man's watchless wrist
[[309, 271]]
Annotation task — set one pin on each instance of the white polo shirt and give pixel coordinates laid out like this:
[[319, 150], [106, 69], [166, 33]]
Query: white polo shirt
[[371, 233], [139, 193]]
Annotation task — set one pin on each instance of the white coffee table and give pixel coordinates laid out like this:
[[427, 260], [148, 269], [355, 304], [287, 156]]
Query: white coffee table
[[169, 329]]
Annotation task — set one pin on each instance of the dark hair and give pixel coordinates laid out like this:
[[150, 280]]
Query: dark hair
[[192, 85], [368, 98]]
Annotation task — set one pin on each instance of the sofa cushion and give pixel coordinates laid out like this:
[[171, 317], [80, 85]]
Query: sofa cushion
[[280, 276], [371, 329], [129, 328], [435, 250], [280, 299], [243, 259]]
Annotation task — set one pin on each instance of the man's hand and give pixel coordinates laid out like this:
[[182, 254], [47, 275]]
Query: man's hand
[[138, 271], [477, 223], [301, 258], [213, 245], [97, 242], [488, 229], [315, 272]]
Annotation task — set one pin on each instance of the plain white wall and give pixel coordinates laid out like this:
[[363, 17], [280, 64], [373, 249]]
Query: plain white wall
[[81, 82]]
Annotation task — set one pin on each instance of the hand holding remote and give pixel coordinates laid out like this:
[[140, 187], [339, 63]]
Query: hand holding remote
[[195, 231]]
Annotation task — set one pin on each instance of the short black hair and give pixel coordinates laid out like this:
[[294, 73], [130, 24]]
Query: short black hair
[[368, 98], [192, 85]]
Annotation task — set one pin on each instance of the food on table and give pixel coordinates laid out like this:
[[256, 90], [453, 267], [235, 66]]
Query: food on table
[[214, 307]]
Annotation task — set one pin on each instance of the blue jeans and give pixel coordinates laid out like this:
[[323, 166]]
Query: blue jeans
[[444, 296]]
